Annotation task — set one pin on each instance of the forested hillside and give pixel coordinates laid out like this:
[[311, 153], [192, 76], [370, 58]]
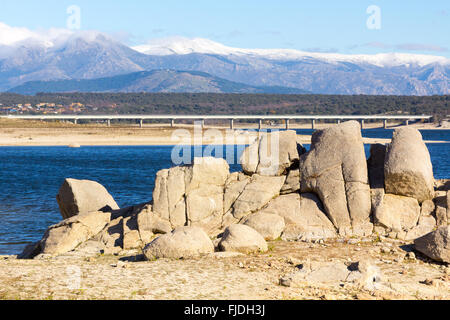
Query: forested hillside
[[184, 103]]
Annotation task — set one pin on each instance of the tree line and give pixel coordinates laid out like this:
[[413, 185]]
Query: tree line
[[259, 104]]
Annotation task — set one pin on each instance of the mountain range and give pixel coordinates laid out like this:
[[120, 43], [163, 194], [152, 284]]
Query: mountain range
[[151, 81], [199, 65]]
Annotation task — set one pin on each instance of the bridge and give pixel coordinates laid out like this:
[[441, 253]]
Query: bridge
[[230, 118]]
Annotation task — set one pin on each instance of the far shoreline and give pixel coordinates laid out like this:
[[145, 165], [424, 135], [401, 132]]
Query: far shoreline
[[59, 134]]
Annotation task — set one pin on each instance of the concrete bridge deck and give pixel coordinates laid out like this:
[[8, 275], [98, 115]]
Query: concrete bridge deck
[[231, 118]]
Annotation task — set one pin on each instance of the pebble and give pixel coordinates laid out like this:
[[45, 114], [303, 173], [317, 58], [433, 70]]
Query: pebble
[[119, 264], [286, 281], [447, 271], [430, 282], [241, 265], [410, 256], [385, 250]]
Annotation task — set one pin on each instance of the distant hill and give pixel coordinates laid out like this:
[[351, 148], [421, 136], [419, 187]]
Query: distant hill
[[168, 81]]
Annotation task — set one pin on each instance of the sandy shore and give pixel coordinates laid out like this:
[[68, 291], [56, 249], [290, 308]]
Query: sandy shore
[[255, 276], [21, 133]]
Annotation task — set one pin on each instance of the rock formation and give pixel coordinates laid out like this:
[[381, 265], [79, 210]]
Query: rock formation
[[336, 170], [283, 192], [402, 183], [83, 196], [272, 154], [192, 195]]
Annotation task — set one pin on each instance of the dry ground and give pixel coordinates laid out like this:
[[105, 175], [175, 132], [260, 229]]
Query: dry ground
[[36, 133], [241, 277]]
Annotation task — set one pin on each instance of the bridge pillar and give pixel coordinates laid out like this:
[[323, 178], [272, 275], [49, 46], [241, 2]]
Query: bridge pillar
[[407, 123], [203, 123], [362, 124], [385, 124], [287, 124], [141, 123], [172, 123], [108, 122], [232, 124], [260, 124], [313, 124], [75, 121], [339, 121]]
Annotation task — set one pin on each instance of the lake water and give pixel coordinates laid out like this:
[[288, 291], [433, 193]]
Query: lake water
[[31, 176]]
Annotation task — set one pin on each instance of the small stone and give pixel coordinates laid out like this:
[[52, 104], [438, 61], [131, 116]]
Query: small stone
[[224, 255], [285, 281], [111, 250], [447, 271], [429, 282], [119, 264], [293, 261], [241, 265], [385, 250], [410, 256]]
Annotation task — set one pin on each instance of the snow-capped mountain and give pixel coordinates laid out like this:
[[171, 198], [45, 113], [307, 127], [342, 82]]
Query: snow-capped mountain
[[69, 56], [182, 46], [63, 55]]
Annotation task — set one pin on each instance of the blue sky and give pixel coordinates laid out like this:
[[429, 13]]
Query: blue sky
[[414, 26]]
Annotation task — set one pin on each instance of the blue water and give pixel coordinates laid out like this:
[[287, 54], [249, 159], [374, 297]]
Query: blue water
[[31, 176], [427, 135]]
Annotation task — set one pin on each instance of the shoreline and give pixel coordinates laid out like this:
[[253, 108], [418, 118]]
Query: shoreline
[[37, 134]]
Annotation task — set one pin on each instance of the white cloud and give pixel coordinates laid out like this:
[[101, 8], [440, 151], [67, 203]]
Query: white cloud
[[11, 36]]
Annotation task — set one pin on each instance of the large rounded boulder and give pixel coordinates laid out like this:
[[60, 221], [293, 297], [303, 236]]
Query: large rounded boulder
[[269, 225], [83, 196], [408, 170], [242, 238], [183, 242]]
